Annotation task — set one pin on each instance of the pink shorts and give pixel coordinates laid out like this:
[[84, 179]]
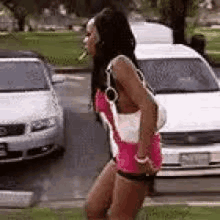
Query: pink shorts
[[125, 158]]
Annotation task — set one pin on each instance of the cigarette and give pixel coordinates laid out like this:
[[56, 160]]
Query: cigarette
[[83, 56]]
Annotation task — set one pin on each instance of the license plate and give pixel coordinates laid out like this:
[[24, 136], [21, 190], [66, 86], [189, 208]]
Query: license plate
[[194, 159], [3, 150]]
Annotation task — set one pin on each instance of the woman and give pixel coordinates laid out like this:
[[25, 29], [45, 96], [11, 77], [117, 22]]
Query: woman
[[122, 185]]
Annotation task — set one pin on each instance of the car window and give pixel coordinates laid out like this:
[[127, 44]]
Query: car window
[[178, 75], [22, 76]]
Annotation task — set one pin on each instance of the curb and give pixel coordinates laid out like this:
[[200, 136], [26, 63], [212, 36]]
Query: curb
[[147, 202], [214, 65], [211, 199], [15, 199], [72, 70], [75, 203], [80, 203]]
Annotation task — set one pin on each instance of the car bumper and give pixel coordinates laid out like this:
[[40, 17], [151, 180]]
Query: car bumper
[[32, 145], [173, 166], [187, 172]]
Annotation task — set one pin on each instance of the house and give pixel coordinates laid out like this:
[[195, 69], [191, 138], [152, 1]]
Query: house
[[7, 21]]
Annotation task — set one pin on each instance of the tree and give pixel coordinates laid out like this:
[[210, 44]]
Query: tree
[[153, 3], [21, 9], [18, 11], [88, 8], [178, 20], [174, 12], [81, 8]]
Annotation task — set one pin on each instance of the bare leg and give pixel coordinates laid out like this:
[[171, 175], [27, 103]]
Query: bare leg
[[100, 196], [128, 197]]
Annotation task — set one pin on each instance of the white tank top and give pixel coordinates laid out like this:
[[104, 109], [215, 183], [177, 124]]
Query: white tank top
[[128, 125]]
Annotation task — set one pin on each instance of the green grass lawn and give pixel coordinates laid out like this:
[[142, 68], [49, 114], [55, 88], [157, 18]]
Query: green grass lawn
[[62, 49], [179, 212], [213, 42]]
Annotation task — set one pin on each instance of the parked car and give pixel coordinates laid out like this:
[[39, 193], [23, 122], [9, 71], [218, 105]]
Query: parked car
[[151, 33], [31, 119], [188, 88]]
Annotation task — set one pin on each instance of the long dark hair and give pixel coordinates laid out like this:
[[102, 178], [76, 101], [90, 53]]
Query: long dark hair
[[115, 38]]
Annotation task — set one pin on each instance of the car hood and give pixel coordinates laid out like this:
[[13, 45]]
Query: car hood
[[26, 106], [191, 111]]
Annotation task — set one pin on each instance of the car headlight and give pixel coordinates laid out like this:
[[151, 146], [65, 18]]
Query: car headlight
[[43, 124]]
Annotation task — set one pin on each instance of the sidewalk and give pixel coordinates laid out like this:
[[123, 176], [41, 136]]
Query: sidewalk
[[167, 200], [11, 201], [70, 70]]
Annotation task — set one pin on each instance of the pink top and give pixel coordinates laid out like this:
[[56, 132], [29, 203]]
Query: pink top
[[126, 150]]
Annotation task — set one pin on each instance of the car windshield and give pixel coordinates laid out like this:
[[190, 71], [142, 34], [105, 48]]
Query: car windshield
[[23, 76], [180, 75]]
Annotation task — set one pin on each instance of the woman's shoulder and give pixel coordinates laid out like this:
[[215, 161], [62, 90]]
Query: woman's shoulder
[[123, 60]]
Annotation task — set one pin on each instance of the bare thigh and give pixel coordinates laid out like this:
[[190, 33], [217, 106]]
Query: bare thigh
[[100, 196], [128, 197]]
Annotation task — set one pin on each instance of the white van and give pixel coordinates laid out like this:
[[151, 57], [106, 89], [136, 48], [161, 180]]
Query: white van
[[151, 33]]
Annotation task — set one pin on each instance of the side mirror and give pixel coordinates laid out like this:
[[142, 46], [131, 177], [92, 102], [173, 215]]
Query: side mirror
[[58, 79]]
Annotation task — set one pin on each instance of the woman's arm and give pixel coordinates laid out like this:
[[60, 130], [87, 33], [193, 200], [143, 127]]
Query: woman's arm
[[126, 76]]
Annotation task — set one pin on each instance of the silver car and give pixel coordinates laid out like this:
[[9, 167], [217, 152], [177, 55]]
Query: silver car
[[31, 119]]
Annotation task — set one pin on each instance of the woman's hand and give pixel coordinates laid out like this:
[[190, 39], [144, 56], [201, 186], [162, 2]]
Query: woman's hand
[[148, 167]]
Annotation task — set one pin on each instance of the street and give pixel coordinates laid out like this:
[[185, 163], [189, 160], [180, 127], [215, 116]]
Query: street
[[217, 72], [71, 176]]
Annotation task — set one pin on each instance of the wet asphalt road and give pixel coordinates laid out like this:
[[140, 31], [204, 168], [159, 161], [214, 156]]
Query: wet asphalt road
[[71, 176], [217, 72]]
